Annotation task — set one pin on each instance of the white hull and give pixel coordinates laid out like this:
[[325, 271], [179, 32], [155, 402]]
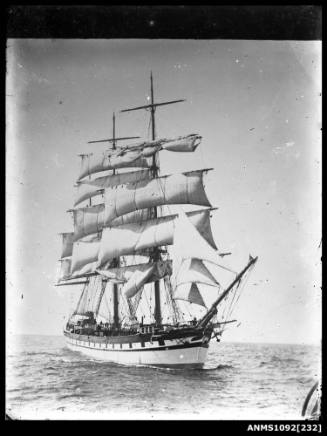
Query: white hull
[[193, 356]]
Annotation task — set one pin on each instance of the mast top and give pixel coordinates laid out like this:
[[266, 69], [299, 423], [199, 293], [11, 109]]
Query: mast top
[[152, 105], [114, 139], [149, 106]]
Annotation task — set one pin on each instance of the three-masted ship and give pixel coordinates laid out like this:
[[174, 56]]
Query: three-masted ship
[[142, 270]]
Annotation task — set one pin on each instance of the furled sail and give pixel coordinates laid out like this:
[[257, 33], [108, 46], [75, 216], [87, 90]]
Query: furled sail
[[184, 188], [135, 155], [67, 244], [186, 143], [131, 238], [93, 163], [183, 143]]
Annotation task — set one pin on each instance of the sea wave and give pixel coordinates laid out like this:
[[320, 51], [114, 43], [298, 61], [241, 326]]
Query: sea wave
[[46, 380]]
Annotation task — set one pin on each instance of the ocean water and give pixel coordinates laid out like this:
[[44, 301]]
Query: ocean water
[[45, 380]]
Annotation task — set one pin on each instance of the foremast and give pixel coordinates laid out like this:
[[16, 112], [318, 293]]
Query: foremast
[[115, 263], [156, 256]]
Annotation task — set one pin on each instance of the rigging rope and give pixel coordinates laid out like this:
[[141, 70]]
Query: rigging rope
[[125, 304], [150, 302], [107, 306], [147, 301], [172, 304], [94, 295], [228, 305], [136, 301], [187, 309], [239, 287]]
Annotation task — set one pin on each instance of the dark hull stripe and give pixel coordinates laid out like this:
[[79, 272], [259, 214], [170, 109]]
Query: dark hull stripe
[[146, 337], [179, 366], [163, 348]]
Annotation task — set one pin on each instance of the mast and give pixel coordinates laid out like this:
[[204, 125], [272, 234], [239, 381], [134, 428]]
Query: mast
[[156, 251], [116, 262], [212, 311], [153, 118]]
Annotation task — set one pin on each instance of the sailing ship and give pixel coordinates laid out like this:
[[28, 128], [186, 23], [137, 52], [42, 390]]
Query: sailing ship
[[145, 273]]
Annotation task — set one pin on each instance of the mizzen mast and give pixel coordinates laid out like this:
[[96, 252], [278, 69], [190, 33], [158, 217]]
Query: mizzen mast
[[156, 256]]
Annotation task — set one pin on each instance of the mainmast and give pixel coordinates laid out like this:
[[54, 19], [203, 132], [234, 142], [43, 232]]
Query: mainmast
[[116, 262], [155, 169], [153, 118], [156, 253]]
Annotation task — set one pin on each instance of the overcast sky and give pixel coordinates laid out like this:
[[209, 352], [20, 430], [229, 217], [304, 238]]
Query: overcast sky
[[257, 105]]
